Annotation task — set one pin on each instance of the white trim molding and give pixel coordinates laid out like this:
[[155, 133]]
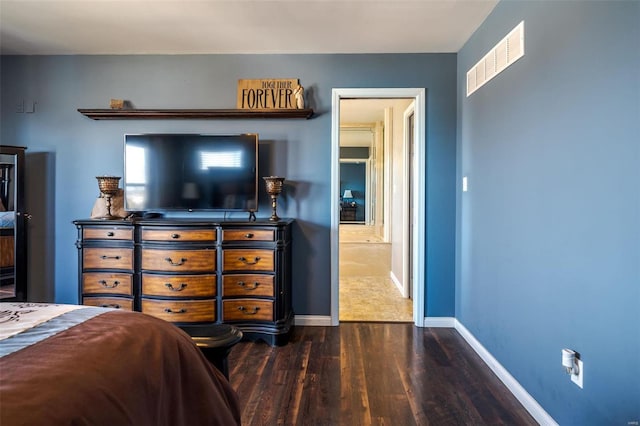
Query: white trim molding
[[313, 320], [521, 394], [440, 322], [396, 282]]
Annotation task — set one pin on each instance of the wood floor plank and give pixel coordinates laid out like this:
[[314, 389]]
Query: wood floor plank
[[387, 397], [370, 374], [353, 386], [320, 395], [255, 380]]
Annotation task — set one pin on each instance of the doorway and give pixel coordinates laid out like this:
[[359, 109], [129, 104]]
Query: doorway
[[414, 245], [370, 133]]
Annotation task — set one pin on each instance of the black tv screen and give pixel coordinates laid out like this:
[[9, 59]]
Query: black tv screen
[[191, 172]]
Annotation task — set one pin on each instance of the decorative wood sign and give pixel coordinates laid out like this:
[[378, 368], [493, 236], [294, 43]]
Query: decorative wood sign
[[270, 94]]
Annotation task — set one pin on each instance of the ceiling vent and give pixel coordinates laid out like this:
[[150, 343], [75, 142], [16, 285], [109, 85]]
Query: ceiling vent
[[509, 50]]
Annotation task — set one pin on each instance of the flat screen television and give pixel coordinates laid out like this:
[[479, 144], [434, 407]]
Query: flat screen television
[[169, 172]]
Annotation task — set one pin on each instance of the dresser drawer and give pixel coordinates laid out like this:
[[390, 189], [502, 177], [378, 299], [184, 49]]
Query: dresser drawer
[[104, 233], [248, 235], [104, 282], [181, 311], [248, 285], [107, 258], [248, 260], [179, 285], [109, 302], [179, 260], [247, 310], [178, 234]]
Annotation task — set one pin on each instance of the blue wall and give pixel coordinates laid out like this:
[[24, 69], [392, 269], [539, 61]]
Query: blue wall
[[548, 253], [300, 150]]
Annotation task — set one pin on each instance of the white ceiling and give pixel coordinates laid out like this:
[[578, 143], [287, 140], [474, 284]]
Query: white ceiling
[[69, 27]]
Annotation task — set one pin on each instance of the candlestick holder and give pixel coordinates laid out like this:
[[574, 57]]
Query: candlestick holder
[[108, 186], [274, 188]]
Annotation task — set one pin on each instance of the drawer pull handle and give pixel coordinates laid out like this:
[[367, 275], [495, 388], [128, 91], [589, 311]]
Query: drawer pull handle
[[175, 236], [172, 288], [104, 284], [171, 311], [248, 235], [111, 305], [244, 285], [105, 257], [252, 312], [248, 262], [178, 263], [110, 234]]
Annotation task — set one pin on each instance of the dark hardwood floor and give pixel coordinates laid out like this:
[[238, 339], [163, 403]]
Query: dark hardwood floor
[[370, 374]]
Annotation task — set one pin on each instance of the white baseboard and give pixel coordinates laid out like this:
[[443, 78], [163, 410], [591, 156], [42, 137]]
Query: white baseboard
[[529, 403], [440, 322], [313, 320], [396, 281]]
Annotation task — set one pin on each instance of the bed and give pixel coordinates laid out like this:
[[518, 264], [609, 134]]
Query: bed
[[81, 365]]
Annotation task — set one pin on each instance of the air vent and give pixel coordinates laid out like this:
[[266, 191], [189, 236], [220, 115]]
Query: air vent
[[505, 53]]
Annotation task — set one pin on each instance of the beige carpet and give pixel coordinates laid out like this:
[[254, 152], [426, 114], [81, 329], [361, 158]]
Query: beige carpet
[[360, 234], [366, 290]]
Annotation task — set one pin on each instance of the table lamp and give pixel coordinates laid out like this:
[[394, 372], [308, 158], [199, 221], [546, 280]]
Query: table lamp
[[347, 197]]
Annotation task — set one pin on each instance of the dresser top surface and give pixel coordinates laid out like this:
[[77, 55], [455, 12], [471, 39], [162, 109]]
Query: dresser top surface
[[182, 222]]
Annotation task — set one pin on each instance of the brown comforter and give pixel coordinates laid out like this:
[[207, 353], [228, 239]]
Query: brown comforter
[[118, 368]]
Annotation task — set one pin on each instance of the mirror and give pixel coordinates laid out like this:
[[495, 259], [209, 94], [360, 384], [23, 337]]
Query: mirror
[[361, 173], [12, 243], [7, 226]]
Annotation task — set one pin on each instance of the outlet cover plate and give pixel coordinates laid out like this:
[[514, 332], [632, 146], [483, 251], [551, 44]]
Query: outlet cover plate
[[577, 378]]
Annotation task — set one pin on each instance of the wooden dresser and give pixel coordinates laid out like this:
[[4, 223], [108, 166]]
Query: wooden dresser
[[191, 271], [106, 274]]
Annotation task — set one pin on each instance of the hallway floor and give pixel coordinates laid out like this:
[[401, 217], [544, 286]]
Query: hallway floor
[[366, 290]]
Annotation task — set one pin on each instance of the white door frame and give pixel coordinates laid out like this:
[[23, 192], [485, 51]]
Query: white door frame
[[419, 180], [406, 197]]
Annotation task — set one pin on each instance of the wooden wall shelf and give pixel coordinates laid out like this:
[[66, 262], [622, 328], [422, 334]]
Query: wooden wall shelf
[[145, 114]]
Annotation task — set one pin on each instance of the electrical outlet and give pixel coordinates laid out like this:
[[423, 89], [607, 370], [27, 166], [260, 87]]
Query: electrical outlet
[[20, 106], [577, 378]]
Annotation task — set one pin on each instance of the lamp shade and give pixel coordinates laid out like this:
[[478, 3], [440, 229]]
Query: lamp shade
[[347, 194]]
